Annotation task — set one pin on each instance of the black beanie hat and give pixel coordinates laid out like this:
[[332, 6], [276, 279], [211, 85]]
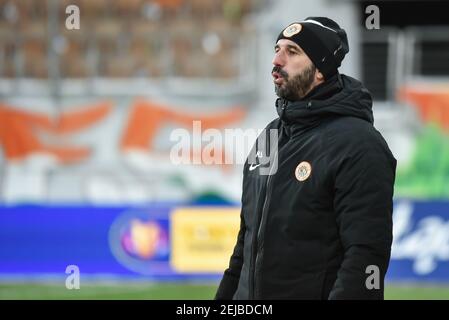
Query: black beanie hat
[[322, 39]]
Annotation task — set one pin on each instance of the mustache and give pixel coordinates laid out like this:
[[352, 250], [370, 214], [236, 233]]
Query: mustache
[[281, 72]]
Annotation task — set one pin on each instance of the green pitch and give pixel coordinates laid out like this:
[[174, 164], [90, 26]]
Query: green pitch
[[137, 291]]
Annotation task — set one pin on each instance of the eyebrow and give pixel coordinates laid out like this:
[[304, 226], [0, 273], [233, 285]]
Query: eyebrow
[[289, 46]]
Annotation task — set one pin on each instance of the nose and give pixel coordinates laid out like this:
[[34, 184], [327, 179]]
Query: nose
[[278, 59]]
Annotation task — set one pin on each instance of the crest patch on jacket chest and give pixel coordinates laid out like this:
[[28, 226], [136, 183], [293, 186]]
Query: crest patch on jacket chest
[[303, 171]]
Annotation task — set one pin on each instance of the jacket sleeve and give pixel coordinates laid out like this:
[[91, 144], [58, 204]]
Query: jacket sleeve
[[231, 276], [363, 202]]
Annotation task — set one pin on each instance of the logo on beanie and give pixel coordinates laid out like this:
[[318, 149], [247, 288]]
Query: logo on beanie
[[291, 30], [303, 171]]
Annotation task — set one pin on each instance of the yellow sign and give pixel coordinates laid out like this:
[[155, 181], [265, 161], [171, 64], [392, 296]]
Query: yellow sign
[[203, 238]]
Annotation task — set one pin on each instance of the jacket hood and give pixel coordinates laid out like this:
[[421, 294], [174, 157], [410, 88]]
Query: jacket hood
[[339, 96]]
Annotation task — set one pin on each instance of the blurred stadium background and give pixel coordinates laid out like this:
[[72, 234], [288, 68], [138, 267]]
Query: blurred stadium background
[[86, 118]]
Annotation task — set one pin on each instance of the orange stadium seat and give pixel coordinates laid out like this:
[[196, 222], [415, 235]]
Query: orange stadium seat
[[107, 27], [205, 9], [73, 61], [35, 58], [147, 51], [120, 66], [8, 49], [144, 27], [127, 8]]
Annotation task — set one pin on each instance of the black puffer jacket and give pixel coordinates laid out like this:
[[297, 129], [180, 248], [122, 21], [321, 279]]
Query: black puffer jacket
[[311, 229]]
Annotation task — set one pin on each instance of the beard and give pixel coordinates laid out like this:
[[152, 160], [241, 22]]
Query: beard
[[296, 88]]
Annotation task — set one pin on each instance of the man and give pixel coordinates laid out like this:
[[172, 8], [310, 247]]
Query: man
[[320, 226]]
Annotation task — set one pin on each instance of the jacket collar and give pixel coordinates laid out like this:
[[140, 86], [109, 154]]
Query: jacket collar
[[339, 96]]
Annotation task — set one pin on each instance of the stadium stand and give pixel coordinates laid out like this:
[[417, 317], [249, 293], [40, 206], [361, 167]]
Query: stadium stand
[[126, 39]]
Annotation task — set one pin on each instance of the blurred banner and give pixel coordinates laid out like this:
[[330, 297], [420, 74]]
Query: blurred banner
[[109, 152], [420, 250], [105, 152], [164, 242], [160, 242]]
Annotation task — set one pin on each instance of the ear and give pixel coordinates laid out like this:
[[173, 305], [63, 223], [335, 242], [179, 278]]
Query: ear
[[318, 75]]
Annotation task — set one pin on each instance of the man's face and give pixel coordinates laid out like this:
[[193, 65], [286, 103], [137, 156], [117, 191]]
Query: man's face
[[293, 72]]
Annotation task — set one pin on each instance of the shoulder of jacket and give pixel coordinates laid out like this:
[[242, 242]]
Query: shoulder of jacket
[[350, 127], [354, 135]]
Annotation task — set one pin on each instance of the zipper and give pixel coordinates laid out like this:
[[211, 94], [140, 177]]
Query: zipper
[[261, 229], [254, 258], [257, 239], [284, 106], [254, 238]]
